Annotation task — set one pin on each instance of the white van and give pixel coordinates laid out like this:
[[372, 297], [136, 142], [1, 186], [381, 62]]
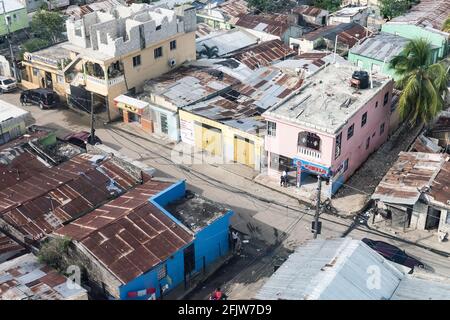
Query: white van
[[7, 84]]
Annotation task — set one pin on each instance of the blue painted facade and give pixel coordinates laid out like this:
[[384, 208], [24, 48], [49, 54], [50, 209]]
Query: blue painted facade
[[210, 243]]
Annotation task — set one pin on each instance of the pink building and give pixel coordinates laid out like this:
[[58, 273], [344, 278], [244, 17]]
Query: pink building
[[330, 127]]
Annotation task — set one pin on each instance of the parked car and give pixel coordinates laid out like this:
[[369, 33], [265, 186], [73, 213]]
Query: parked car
[[393, 253], [44, 98], [7, 84], [80, 139]]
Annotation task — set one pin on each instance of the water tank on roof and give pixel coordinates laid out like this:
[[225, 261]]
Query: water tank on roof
[[360, 79]]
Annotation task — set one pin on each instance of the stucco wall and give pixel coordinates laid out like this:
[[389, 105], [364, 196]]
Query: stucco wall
[[19, 22]]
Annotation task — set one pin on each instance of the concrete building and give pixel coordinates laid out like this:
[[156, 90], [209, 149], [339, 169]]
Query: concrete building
[[24, 278], [375, 53], [414, 194], [344, 269], [424, 20], [114, 53], [312, 15], [226, 42], [156, 238], [344, 35], [12, 121], [349, 14], [222, 16], [15, 15], [329, 128], [274, 26]]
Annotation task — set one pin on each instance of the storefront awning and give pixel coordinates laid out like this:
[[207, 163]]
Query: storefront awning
[[312, 167], [130, 104]]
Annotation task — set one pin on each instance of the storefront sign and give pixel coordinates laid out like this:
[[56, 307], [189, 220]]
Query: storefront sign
[[187, 131], [129, 108], [312, 168]]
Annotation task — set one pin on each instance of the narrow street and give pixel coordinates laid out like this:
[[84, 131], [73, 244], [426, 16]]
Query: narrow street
[[273, 223]]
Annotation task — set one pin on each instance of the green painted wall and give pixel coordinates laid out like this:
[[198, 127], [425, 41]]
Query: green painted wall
[[19, 21], [412, 32], [368, 62]]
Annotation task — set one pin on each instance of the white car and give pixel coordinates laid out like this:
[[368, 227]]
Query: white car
[[7, 84]]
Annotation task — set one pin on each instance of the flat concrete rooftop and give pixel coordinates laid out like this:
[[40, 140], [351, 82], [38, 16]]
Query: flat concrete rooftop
[[195, 212], [327, 101]]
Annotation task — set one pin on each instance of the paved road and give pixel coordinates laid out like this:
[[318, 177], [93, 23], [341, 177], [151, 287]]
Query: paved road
[[274, 223]]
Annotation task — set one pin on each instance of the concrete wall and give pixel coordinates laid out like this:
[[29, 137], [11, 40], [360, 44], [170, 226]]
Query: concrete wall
[[18, 21], [444, 224], [419, 216], [435, 37], [228, 134], [172, 122], [354, 149]]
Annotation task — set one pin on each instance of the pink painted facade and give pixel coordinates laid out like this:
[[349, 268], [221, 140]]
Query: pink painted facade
[[355, 149]]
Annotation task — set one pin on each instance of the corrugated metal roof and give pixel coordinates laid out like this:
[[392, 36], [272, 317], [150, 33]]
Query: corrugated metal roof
[[275, 24], [409, 177], [263, 54], [233, 9], [348, 33], [308, 10], [24, 278], [415, 288], [331, 269], [42, 203], [440, 188], [10, 111], [381, 47], [430, 13], [8, 245], [129, 235]]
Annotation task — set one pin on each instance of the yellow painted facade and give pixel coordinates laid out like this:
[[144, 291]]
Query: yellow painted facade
[[231, 144], [133, 76]]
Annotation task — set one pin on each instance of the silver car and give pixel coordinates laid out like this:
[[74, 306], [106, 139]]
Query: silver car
[[7, 84]]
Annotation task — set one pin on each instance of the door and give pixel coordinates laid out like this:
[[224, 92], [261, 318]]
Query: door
[[433, 218], [208, 139], [189, 259], [48, 80], [244, 151]]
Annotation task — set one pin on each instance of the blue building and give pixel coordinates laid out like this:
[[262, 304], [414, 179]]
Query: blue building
[[158, 237]]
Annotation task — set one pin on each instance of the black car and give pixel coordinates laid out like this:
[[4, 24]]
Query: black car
[[80, 139], [44, 98], [393, 253]]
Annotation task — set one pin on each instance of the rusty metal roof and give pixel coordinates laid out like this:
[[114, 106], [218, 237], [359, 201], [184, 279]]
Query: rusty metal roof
[[425, 144], [203, 29], [410, 176], [263, 54], [48, 199], [24, 278], [129, 235], [348, 33], [8, 245], [234, 9], [428, 13], [440, 188], [307, 10], [275, 24]]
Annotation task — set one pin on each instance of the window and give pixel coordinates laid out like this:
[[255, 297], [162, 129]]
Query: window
[[162, 272], [173, 44], [35, 72], [386, 98], [337, 151], [137, 61], [350, 131], [280, 163], [164, 125], [309, 140], [60, 79], [345, 165], [359, 63], [364, 119], [158, 27], [376, 104], [158, 52], [271, 129], [382, 129], [78, 32], [14, 17], [367, 143]]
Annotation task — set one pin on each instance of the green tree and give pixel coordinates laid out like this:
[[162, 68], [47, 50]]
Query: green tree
[[269, 6], [446, 26], [424, 84], [54, 253], [393, 8], [48, 25], [209, 52], [330, 5]]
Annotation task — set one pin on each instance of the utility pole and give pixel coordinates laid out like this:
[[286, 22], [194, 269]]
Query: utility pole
[[92, 137], [316, 216], [13, 62]]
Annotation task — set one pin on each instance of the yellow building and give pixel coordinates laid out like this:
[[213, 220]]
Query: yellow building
[[108, 54], [239, 140]]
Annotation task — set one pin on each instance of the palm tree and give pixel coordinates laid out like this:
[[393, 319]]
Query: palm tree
[[424, 84], [209, 52], [446, 26]]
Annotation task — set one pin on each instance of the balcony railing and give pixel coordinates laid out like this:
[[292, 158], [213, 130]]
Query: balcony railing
[[116, 80], [309, 152]]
